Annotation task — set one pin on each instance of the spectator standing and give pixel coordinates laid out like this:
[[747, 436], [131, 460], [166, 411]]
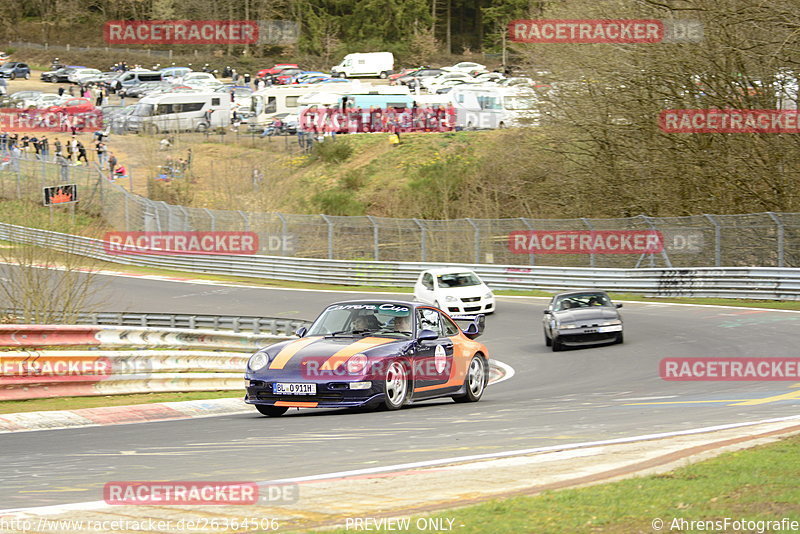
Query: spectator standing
[[247, 79], [57, 147], [63, 165], [102, 153], [45, 144], [112, 162], [82, 153]]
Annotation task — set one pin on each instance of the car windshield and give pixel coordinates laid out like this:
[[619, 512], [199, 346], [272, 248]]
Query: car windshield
[[458, 280], [142, 110], [582, 300], [363, 319]]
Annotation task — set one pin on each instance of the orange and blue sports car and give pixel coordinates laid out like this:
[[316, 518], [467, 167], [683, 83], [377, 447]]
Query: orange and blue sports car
[[370, 353]]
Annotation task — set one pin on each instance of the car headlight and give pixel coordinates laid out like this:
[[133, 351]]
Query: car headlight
[[566, 326], [450, 299], [356, 364], [259, 360], [488, 295], [611, 323]]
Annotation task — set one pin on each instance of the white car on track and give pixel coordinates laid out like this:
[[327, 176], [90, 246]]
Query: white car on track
[[454, 290]]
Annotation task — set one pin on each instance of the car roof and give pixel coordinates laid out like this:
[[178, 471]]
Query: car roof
[[449, 270], [580, 292]]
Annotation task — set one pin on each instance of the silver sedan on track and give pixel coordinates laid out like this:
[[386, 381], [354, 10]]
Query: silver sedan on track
[[580, 318]]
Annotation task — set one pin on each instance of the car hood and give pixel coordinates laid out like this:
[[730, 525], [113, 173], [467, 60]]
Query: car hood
[[587, 315], [465, 291], [295, 356]]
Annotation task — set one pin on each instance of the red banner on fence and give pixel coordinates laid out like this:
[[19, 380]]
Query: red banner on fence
[[181, 32], [586, 242]]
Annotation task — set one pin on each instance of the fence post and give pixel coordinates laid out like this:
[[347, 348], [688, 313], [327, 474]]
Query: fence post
[[330, 236], [375, 238], [591, 228], [476, 237], [246, 220], [529, 227], [717, 240], [422, 240], [127, 218], [212, 219], [780, 228], [283, 233], [664, 254]]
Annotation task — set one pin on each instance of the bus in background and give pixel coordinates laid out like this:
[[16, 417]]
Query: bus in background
[[481, 107], [181, 112]]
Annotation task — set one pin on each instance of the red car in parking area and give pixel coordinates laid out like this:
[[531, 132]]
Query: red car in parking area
[[277, 69], [74, 105]]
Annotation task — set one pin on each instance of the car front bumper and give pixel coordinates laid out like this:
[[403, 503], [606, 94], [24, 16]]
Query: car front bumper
[[589, 336], [481, 305], [328, 395]]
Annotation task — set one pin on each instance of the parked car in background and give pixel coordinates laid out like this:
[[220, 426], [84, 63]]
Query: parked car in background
[[580, 318], [467, 67], [277, 69], [454, 290], [15, 69], [54, 75], [62, 75], [80, 76], [21, 99], [419, 74], [174, 72], [431, 81]]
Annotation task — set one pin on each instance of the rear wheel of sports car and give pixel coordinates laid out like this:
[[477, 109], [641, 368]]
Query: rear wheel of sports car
[[395, 386], [271, 411], [474, 382]]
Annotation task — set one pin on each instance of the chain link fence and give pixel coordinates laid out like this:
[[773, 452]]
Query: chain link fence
[[758, 239]]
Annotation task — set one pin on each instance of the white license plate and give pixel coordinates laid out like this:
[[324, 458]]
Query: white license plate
[[614, 328], [294, 389]]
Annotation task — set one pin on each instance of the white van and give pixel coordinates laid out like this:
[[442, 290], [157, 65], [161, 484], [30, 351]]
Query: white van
[[181, 112], [271, 101], [380, 64], [492, 106], [135, 77]]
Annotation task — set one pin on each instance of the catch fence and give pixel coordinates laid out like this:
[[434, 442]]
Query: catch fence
[[750, 240]]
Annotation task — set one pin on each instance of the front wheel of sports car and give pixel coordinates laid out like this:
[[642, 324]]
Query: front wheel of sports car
[[619, 339], [271, 411], [547, 341], [475, 381], [395, 386], [556, 344]]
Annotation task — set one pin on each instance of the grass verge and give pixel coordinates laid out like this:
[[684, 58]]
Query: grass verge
[[74, 403], [756, 485]]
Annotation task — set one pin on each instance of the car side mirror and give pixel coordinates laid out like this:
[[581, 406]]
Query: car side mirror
[[619, 305], [427, 335], [547, 312], [300, 332]]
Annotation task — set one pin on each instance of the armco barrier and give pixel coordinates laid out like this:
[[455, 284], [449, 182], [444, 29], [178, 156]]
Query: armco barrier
[[67, 335], [48, 373], [772, 283], [236, 323]]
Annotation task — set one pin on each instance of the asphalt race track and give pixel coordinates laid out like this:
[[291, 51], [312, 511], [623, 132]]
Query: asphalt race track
[[577, 395]]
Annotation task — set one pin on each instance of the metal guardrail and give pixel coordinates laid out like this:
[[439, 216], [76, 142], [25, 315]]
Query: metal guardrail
[[174, 367], [237, 323], [771, 283]]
